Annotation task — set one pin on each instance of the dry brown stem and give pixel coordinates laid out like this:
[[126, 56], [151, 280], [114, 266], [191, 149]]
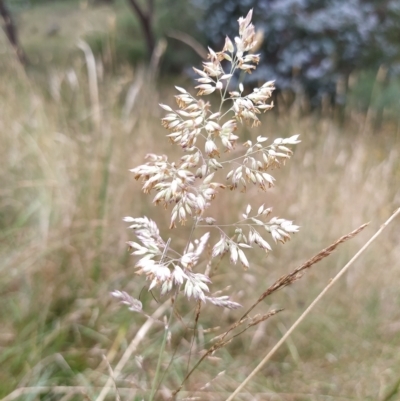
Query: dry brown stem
[[296, 274], [316, 300], [283, 281]]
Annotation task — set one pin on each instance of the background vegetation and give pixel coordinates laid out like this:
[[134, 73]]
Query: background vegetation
[[65, 185], [314, 46]]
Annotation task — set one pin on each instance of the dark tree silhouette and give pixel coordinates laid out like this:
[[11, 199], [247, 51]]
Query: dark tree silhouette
[[146, 21], [11, 32]]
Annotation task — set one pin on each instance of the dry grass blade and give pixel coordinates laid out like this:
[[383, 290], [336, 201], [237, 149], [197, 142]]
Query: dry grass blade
[[111, 373], [93, 84], [190, 41], [253, 322], [297, 273], [222, 343], [132, 347], [283, 281], [316, 300]]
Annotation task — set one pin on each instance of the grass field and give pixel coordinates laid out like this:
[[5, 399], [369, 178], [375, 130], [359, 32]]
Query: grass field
[[64, 188]]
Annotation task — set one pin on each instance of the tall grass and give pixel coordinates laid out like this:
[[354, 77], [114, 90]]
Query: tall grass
[[64, 188]]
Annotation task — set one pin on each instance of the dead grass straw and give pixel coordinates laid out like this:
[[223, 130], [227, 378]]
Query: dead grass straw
[[282, 282], [132, 348], [316, 300]]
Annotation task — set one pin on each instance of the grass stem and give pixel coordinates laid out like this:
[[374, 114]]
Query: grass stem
[[162, 348], [308, 310]]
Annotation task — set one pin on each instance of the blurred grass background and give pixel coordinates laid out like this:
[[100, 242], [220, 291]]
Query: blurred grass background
[[65, 186]]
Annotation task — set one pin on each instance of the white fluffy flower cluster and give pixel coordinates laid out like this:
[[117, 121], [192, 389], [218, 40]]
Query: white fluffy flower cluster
[[207, 138], [247, 234], [258, 159], [176, 184], [166, 268]]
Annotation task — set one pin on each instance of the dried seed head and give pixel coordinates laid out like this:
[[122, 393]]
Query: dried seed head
[[188, 186]]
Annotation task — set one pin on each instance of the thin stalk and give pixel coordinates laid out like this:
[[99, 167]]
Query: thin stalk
[[278, 284], [194, 226], [131, 349], [164, 341], [232, 71], [154, 385], [308, 310]]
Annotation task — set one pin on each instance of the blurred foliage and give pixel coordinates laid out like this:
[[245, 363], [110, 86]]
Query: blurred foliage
[[312, 49], [376, 92], [128, 42], [309, 46]]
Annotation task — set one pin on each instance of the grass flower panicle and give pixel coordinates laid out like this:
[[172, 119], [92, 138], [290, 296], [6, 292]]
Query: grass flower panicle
[[188, 185], [61, 338], [208, 138]]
